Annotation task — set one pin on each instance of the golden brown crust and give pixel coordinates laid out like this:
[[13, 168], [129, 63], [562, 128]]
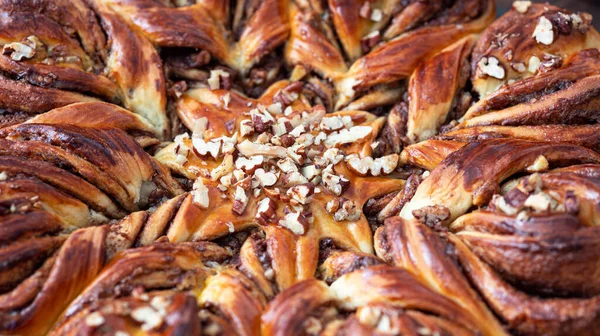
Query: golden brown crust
[[164, 288], [511, 41], [76, 51], [472, 175], [381, 298]]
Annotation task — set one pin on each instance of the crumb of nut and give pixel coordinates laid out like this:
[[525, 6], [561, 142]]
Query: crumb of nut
[[3, 176], [230, 227], [216, 79], [500, 203], [200, 194], [18, 51], [534, 64], [265, 211], [544, 32], [287, 165], [369, 316], [275, 108], [333, 123], [226, 99], [491, 66], [203, 148], [94, 319], [385, 164], [270, 274], [539, 202], [200, 126], [368, 42], [365, 10], [343, 209], [540, 164], [310, 172], [294, 178], [521, 6], [376, 15], [160, 303], [358, 165], [312, 326], [385, 325], [224, 168], [424, 331], [345, 136], [519, 67], [149, 318], [121, 333], [246, 127], [249, 164], [301, 193], [266, 179], [295, 222], [240, 201], [335, 184], [249, 149]]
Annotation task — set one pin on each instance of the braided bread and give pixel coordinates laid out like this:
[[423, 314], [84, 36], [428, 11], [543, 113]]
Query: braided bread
[[298, 167]]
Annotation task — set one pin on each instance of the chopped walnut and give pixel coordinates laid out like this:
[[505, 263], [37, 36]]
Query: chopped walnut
[[539, 202], [343, 209], [200, 194], [376, 15], [149, 318], [94, 319], [369, 316], [521, 6], [519, 67], [368, 42], [333, 123], [218, 79], [540, 164], [202, 148], [491, 66], [246, 127], [248, 149], [265, 211], [312, 326], [335, 184], [18, 51], [287, 165], [544, 32], [249, 164], [301, 193], [240, 201], [293, 178], [200, 126], [295, 222], [362, 166], [288, 94], [224, 168], [345, 136], [310, 172], [266, 179], [534, 64], [365, 10]]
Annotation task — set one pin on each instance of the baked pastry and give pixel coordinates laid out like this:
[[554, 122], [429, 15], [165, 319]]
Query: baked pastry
[[298, 167]]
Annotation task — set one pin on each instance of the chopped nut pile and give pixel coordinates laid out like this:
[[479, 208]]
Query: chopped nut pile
[[282, 158], [529, 194]]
